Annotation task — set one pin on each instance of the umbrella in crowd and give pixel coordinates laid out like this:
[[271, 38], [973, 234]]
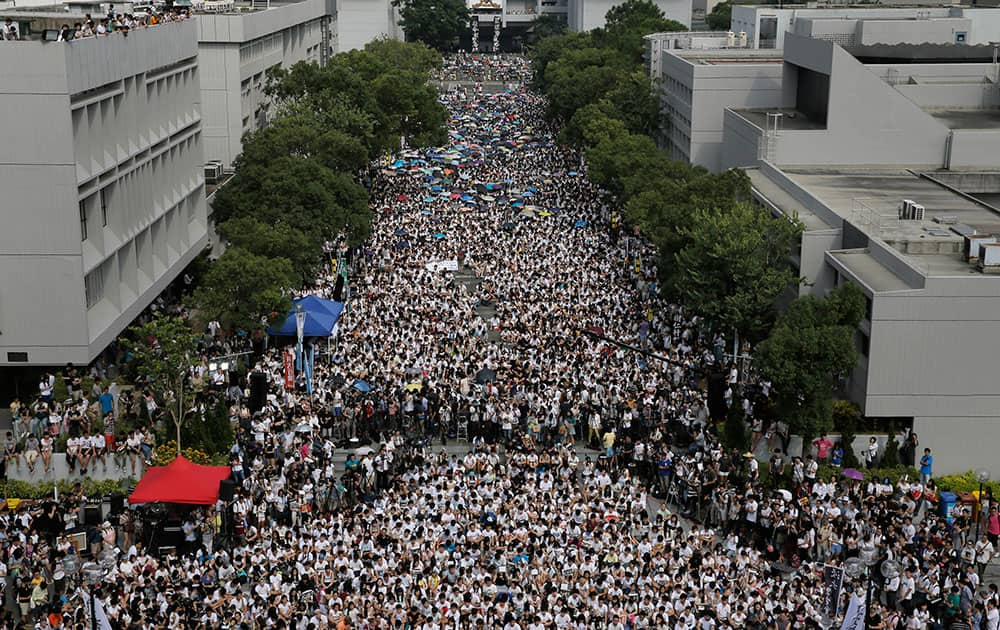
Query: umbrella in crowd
[[852, 473], [362, 386], [486, 375]]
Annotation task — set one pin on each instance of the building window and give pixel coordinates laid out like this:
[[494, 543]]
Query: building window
[[93, 285], [83, 220], [104, 207]]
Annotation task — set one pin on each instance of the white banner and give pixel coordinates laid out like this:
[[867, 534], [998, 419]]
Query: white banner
[[103, 623], [855, 617], [442, 265]]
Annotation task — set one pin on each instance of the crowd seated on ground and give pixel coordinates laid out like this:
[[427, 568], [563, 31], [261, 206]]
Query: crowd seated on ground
[[592, 490]]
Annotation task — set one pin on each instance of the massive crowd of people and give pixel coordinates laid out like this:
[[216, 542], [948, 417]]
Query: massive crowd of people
[[493, 304]]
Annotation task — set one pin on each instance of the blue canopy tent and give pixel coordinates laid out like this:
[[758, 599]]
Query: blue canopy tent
[[321, 317]]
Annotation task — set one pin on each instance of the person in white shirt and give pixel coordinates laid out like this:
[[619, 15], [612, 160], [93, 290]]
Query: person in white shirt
[[992, 616], [984, 553], [9, 31]]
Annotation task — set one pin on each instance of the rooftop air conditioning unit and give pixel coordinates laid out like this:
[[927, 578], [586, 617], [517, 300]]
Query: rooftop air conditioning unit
[[974, 243], [989, 260], [743, 39], [730, 39], [917, 212], [905, 207], [213, 172]]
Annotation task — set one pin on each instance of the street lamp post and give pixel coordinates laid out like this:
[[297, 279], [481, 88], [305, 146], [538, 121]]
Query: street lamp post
[[93, 574], [300, 324], [983, 476], [856, 567]]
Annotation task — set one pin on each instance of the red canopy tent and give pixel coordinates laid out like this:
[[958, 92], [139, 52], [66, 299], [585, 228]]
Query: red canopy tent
[[180, 482]]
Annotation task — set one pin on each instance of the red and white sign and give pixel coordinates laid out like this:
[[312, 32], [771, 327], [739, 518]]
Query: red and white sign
[[289, 371]]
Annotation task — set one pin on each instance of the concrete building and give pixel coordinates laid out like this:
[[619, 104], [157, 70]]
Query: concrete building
[[925, 343], [361, 21], [887, 155], [697, 86], [925, 82], [104, 200], [766, 25], [926, 106], [584, 15], [235, 52]]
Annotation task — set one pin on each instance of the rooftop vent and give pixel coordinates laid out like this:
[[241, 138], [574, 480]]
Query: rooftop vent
[[948, 219]]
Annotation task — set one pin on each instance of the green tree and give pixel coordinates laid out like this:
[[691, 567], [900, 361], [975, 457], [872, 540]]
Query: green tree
[[211, 431], [245, 291], [633, 101], [277, 240], [810, 348], [721, 17], [386, 97], [627, 23], [614, 159], [437, 23], [304, 136], [550, 49], [547, 25], [890, 456], [161, 353], [307, 196], [580, 77], [733, 266], [410, 56]]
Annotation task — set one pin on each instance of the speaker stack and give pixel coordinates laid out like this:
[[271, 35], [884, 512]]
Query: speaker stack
[[258, 391]]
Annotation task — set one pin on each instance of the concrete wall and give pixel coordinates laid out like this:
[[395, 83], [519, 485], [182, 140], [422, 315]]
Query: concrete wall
[[107, 129], [717, 87], [897, 24], [361, 21], [936, 31], [866, 116], [695, 97], [584, 15], [235, 52], [742, 140], [960, 444], [974, 148]]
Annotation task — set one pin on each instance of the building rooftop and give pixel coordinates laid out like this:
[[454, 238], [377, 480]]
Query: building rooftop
[[967, 118], [869, 199], [724, 56], [864, 265], [791, 119]]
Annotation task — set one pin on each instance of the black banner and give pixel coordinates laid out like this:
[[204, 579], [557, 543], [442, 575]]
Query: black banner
[[833, 579]]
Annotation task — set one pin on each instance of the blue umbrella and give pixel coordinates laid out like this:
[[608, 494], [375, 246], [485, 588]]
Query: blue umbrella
[[428, 199], [467, 197], [572, 173], [532, 189], [439, 236], [362, 386], [580, 224], [426, 212], [527, 193], [403, 245]]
